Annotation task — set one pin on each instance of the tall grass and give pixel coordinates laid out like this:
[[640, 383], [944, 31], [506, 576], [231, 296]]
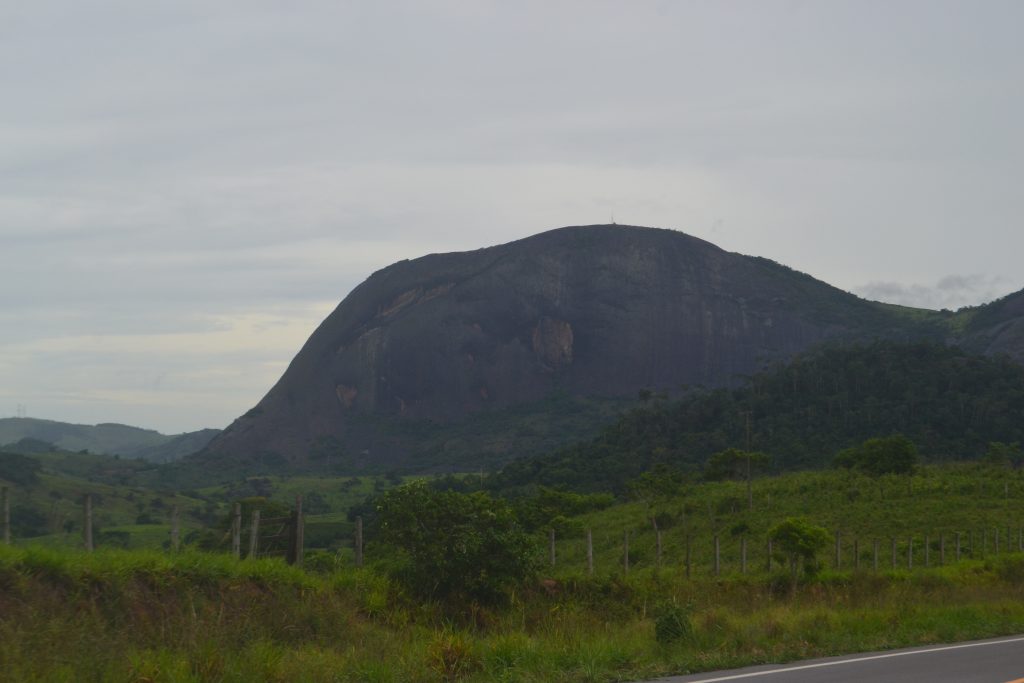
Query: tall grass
[[147, 616]]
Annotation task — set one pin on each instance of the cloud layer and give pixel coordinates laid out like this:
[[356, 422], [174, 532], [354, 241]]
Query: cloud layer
[[187, 188]]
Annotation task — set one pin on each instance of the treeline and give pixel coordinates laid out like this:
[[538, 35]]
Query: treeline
[[950, 403]]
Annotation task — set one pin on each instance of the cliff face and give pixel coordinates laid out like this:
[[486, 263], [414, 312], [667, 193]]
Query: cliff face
[[588, 311], [998, 328]]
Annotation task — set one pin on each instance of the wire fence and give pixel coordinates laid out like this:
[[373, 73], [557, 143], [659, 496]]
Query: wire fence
[[696, 554]]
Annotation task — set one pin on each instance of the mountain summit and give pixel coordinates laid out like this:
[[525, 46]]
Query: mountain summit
[[589, 311]]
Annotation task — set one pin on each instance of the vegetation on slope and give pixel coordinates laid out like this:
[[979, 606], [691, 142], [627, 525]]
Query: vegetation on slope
[[949, 402], [109, 438], [151, 615]]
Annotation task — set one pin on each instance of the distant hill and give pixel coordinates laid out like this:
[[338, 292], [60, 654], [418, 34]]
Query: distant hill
[[951, 403], [109, 438], [462, 342]]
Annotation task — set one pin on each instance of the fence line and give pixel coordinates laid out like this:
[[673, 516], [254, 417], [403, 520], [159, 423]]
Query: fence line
[[277, 536], [5, 494], [725, 554], [87, 525]]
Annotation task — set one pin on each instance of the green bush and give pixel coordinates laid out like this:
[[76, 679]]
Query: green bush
[[19, 469], [672, 624], [797, 538], [894, 454], [456, 547]]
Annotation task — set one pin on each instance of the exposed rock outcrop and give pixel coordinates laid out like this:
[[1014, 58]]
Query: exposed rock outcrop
[[592, 311]]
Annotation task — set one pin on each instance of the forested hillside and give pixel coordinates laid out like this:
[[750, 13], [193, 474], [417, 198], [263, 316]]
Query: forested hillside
[[949, 402]]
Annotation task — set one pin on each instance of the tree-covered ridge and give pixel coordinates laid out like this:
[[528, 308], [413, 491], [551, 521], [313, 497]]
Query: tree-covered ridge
[[950, 403]]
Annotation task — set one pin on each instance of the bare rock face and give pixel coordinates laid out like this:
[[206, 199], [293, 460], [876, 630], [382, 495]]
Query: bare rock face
[[592, 311], [997, 328], [552, 342]]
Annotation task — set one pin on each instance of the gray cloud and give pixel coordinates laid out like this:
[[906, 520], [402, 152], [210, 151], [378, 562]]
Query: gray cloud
[[193, 171], [950, 292]]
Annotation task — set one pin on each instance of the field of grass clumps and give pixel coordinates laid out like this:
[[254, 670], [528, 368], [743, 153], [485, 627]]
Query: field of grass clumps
[[459, 586], [121, 615], [928, 508]]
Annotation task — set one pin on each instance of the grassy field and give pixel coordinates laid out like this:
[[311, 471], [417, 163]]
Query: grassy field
[[146, 616], [48, 510], [939, 501]]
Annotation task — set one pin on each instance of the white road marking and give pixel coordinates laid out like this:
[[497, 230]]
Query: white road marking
[[854, 661]]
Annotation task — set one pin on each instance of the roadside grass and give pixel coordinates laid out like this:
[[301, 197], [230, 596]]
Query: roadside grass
[[118, 615]]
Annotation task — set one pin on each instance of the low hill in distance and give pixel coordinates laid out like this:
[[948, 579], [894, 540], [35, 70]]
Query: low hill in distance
[[426, 355], [107, 438]]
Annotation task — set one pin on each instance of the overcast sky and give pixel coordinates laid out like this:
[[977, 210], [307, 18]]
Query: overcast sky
[[188, 188]]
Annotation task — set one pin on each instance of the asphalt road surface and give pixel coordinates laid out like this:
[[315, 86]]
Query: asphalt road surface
[[999, 660]]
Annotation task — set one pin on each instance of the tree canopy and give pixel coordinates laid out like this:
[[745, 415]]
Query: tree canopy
[[949, 402], [454, 546], [894, 454]]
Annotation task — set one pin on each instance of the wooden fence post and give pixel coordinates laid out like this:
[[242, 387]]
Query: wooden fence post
[[625, 552], [300, 531], [590, 553], [743, 555], [688, 567], [175, 529], [236, 531], [5, 494], [359, 541], [551, 545], [657, 541], [768, 559], [87, 529], [254, 535], [718, 557]]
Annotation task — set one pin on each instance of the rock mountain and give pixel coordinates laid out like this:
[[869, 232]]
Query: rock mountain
[[470, 340]]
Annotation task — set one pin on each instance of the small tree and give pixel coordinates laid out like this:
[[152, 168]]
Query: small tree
[[454, 546], [1000, 455], [894, 454], [732, 463], [655, 487], [798, 539]]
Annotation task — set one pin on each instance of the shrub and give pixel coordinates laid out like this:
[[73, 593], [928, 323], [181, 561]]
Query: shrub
[[894, 454], [461, 547], [451, 656], [19, 469], [672, 624], [795, 537]]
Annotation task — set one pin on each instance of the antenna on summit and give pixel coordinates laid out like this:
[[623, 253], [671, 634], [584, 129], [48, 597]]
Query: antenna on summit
[[613, 219]]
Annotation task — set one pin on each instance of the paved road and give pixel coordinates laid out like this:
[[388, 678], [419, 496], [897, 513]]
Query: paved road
[[1000, 660]]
